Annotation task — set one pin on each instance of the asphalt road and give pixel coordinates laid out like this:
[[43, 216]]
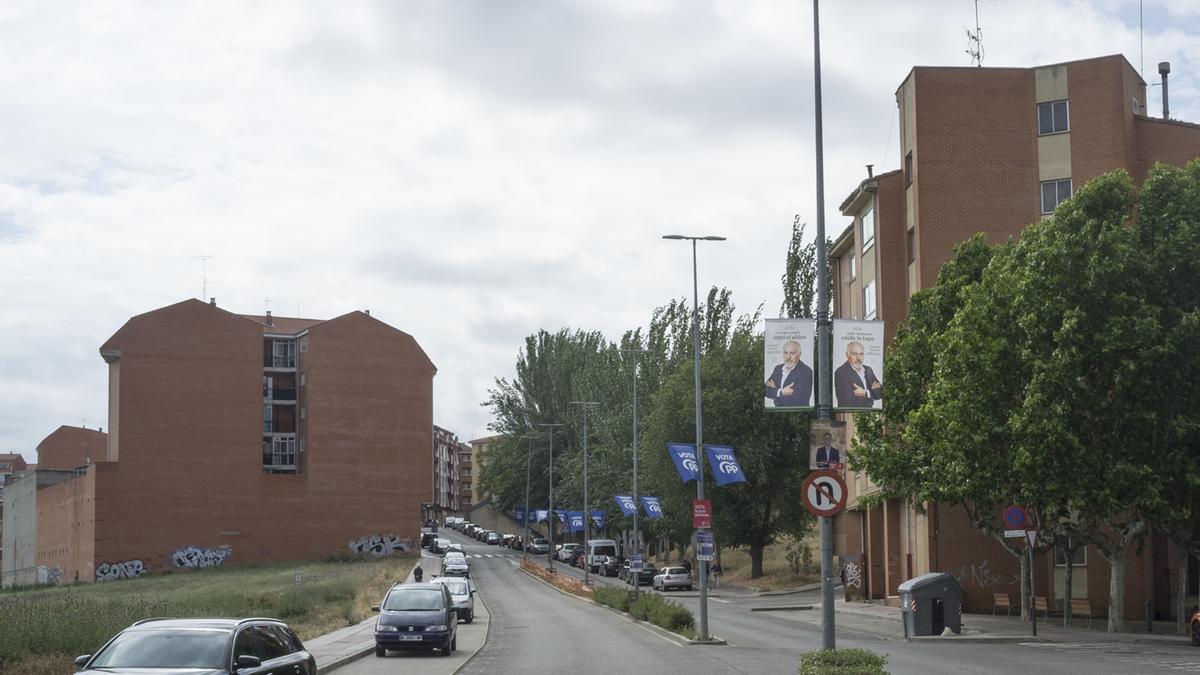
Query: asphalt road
[[536, 629]]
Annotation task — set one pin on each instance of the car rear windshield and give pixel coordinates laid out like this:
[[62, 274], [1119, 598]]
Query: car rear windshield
[[676, 570], [456, 587], [455, 555], [414, 600], [604, 550], [165, 649]]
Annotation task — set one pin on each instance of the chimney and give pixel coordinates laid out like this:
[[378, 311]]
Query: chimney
[[1164, 69], [367, 311], [870, 171], [212, 301], [269, 321]]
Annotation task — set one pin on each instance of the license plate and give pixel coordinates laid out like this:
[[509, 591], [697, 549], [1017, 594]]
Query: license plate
[[410, 638]]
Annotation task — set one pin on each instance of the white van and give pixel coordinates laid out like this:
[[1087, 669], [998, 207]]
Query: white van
[[598, 550]]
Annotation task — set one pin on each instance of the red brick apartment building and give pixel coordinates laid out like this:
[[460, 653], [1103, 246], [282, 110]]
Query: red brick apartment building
[[237, 438], [986, 150], [447, 468]]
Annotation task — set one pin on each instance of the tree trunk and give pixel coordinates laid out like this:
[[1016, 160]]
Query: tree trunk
[[1116, 592], [1025, 608], [1067, 575], [1181, 595], [756, 560]]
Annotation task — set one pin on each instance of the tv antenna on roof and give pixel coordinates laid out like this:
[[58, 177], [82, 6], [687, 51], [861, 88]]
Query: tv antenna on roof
[[975, 41], [204, 273]]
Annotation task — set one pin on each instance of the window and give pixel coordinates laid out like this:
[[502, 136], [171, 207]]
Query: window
[[246, 644], [1079, 559], [282, 456], [1052, 117], [1055, 192], [283, 354], [869, 301], [868, 229], [267, 418], [911, 243], [274, 644], [853, 267], [908, 169]]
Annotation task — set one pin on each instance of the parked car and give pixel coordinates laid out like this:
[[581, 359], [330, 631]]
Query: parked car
[[416, 616], [492, 539], [454, 548], [672, 577], [644, 578], [565, 551], [611, 567], [427, 539], [539, 545], [455, 564], [598, 550], [209, 645], [505, 539], [1194, 625], [463, 595], [439, 545]]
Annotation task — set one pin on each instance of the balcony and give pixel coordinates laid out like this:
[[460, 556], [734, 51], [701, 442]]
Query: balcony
[[278, 394]]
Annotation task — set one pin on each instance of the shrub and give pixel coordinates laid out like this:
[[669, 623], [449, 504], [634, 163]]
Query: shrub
[[841, 662], [649, 607]]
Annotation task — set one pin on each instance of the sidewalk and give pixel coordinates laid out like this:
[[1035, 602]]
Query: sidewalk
[[986, 628]]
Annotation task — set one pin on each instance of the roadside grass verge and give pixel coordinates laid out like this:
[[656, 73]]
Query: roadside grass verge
[[649, 607], [42, 629]]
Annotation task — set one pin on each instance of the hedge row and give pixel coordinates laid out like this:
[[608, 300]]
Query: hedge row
[[649, 607]]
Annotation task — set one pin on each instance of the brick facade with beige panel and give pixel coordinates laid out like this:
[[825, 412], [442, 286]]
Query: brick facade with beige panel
[[987, 150], [238, 438]]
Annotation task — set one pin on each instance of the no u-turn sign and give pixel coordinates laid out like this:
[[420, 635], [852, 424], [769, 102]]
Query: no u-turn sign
[[824, 493]]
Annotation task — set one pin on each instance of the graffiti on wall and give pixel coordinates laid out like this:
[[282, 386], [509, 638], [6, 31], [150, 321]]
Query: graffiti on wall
[[377, 544], [196, 557], [980, 574], [49, 575], [119, 570], [853, 575]]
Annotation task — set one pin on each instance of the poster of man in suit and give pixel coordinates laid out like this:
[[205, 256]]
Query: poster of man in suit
[[787, 364], [858, 380], [827, 444]]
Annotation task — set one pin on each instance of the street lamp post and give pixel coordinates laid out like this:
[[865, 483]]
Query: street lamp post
[[699, 427], [586, 513], [525, 535], [637, 541], [550, 517]]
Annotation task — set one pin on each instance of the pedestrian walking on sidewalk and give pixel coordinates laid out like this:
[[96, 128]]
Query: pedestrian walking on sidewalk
[[418, 573], [715, 570]]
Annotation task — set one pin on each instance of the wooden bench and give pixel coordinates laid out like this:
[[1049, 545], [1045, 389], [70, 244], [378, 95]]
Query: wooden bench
[[1040, 605], [1000, 600], [1082, 608]]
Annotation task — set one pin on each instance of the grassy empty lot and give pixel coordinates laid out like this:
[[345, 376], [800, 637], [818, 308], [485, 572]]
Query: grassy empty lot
[[42, 629]]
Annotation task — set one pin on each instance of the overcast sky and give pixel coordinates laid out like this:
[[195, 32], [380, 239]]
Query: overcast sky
[[469, 171]]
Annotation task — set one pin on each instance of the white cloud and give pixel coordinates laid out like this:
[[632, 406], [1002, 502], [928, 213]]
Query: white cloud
[[470, 171]]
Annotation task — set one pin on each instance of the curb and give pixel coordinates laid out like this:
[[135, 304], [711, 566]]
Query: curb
[[980, 639], [486, 637], [325, 668], [780, 608]]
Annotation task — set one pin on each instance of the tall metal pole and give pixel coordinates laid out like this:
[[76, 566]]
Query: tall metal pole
[[824, 410], [703, 564], [587, 515], [550, 517], [637, 541], [525, 536]]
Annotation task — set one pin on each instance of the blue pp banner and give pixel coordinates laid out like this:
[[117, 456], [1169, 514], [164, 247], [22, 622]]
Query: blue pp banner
[[562, 516], [653, 508], [520, 511], [724, 465], [628, 507], [684, 456], [540, 515], [598, 519], [575, 521]]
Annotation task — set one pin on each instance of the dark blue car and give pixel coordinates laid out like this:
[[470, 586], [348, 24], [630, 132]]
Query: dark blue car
[[416, 616]]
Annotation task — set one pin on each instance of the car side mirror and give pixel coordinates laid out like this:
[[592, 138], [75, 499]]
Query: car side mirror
[[247, 661], [375, 608], [81, 661], [473, 591]]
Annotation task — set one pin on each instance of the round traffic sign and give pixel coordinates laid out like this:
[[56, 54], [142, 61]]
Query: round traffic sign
[[824, 493], [1014, 517]]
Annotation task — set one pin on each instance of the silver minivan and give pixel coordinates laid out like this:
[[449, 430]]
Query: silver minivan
[[463, 594]]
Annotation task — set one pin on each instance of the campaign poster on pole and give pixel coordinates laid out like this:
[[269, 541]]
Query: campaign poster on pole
[[827, 445], [788, 364], [858, 381]]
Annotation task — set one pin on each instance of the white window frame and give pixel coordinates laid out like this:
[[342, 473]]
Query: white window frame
[[869, 306], [867, 243], [853, 266], [1050, 105], [1058, 191]]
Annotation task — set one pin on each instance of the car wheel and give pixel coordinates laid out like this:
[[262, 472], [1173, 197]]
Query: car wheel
[[454, 643], [469, 619], [446, 648], [380, 651], [689, 588]]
